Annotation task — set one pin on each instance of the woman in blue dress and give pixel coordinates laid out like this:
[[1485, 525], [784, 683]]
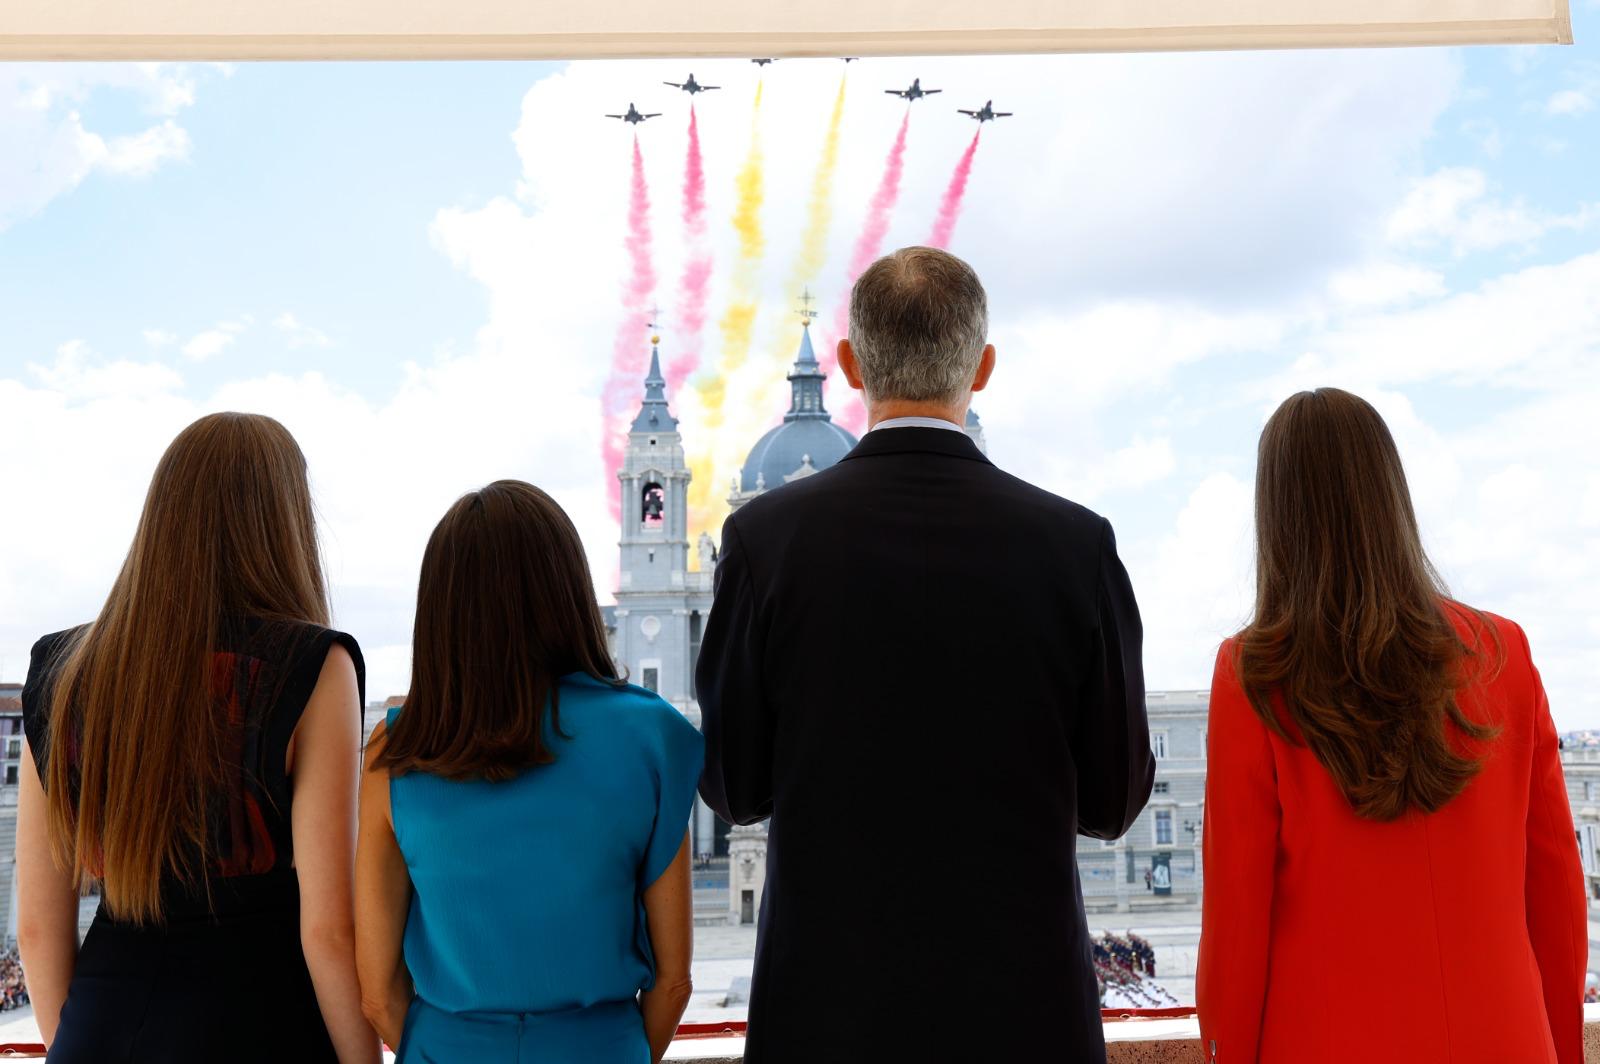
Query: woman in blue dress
[[522, 871]]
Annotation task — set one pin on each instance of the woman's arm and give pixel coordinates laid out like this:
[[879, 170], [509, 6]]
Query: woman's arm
[[326, 755], [1240, 851], [383, 901], [47, 905], [669, 919]]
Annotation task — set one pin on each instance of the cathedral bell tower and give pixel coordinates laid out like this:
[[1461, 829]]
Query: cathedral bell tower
[[655, 492]]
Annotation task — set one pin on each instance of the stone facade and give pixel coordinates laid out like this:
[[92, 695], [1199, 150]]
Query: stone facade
[[747, 872], [1157, 865], [10, 768], [1581, 766]]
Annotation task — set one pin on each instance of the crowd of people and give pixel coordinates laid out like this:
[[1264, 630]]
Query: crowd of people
[[1131, 953], [1125, 968], [13, 986]]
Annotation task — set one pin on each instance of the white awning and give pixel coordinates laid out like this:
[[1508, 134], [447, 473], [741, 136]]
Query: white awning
[[582, 29]]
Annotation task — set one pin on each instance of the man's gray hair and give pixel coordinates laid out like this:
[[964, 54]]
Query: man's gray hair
[[919, 320]]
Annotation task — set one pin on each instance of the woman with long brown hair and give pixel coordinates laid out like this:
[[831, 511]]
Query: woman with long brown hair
[[523, 871], [194, 754], [1390, 867]]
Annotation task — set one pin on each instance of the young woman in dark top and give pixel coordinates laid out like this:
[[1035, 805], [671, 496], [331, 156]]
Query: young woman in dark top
[[194, 751]]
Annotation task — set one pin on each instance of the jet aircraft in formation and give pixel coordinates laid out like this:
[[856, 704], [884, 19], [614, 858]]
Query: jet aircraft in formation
[[986, 113], [691, 86], [914, 93], [633, 117]]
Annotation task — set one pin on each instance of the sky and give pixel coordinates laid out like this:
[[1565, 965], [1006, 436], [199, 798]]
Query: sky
[[429, 273]]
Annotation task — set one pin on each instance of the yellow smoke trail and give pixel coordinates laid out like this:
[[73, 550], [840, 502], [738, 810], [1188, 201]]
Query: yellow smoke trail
[[706, 501], [812, 255], [814, 242]]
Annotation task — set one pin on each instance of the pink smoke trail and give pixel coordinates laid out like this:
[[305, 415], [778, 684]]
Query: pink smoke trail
[[695, 284], [950, 206], [869, 245], [630, 352]]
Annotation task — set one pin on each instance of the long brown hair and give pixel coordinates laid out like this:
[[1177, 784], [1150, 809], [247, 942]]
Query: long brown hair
[[505, 606], [1350, 628], [136, 741]]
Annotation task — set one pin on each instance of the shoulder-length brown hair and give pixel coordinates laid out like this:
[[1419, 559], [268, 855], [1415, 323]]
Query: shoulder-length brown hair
[[505, 606], [136, 737], [1350, 628]]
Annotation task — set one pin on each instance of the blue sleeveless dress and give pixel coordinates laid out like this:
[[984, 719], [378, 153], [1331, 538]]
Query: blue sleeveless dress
[[526, 939]]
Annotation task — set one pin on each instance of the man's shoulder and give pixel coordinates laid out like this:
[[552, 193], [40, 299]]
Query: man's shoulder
[[826, 487], [980, 485], [1027, 493]]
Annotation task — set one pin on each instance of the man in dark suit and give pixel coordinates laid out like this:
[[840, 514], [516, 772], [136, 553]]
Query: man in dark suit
[[927, 673]]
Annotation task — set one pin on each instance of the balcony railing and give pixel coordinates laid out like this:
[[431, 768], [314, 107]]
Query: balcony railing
[[1133, 1036]]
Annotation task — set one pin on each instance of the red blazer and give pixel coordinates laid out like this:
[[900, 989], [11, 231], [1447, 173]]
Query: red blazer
[[1460, 935]]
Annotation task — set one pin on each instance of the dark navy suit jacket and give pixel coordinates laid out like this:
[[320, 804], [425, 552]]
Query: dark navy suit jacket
[[927, 673]]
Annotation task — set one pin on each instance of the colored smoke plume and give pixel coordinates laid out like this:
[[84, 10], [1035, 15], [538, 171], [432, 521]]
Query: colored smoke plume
[[954, 193], [736, 325], [695, 283], [813, 251], [869, 245], [630, 352]]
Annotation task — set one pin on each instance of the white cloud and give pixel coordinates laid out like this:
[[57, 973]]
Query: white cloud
[[1452, 207], [1530, 329], [210, 342], [139, 154], [1568, 102], [159, 338], [1194, 582], [50, 147], [1381, 284], [298, 334], [1130, 468], [76, 375]]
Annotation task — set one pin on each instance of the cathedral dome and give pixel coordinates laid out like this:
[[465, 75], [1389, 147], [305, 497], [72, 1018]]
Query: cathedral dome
[[807, 441], [784, 450]]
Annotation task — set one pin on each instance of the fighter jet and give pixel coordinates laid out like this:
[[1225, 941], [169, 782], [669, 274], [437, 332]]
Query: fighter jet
[[691, 86], [915, 92], [760, 62], [986, 114], [633, 117], [849, 58]]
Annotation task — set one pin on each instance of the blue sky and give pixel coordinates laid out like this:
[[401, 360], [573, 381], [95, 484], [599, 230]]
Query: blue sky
[[416, 267]]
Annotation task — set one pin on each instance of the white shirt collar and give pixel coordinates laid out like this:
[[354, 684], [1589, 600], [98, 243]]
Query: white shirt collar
[[917, 423]]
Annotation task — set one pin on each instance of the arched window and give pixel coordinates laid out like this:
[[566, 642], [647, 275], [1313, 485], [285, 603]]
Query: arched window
[[653, 505]]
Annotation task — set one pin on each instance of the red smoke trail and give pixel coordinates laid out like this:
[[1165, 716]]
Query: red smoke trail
[[950, 206], [695, 283], [631, 349], [851, 414]]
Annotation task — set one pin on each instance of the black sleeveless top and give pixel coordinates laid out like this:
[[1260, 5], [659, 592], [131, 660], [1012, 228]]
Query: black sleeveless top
[[223, 977]]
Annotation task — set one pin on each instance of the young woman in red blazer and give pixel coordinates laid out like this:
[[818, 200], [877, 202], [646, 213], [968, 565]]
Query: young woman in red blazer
[[1390, 867]]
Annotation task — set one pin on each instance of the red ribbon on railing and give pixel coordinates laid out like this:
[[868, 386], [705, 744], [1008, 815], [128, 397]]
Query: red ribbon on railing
[[1177, 1012]]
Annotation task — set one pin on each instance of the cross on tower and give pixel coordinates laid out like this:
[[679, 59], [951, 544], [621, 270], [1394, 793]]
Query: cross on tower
[[654, 324], [807, 314]]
